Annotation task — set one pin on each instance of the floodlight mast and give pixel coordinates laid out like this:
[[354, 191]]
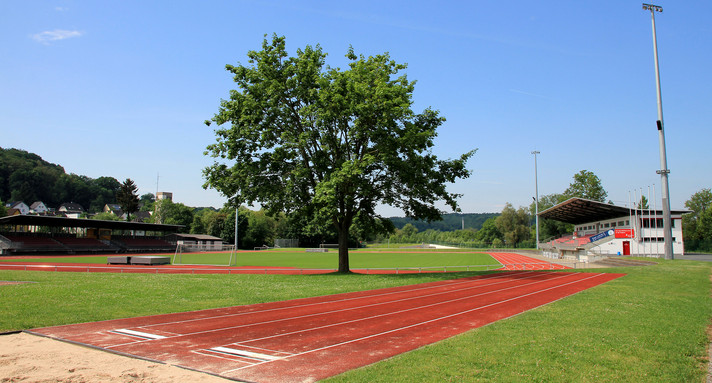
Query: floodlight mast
[[664, 171], [536, 200]]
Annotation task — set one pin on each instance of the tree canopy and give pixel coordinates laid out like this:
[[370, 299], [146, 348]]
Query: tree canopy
[[513, 224], [586, 185], [127, 198], [697, 226], [328, 145]]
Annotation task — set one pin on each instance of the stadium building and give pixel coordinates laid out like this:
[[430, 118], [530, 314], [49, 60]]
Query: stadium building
[[602, 230], [28, 234]]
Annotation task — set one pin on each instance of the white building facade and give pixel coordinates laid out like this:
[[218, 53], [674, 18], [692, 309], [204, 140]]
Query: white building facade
[[602, 230]]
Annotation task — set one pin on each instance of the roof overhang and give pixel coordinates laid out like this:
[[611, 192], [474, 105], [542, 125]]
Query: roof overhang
[[35, 220], [580, 210]]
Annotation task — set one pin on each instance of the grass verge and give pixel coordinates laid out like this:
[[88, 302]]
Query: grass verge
[[301, 259], [647, 326]]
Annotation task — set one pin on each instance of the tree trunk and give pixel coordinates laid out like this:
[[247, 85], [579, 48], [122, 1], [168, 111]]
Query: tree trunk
[[344, 250]]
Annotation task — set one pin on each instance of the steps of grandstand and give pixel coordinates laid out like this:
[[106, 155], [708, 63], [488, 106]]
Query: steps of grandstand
[[39, 244], [569, 242]]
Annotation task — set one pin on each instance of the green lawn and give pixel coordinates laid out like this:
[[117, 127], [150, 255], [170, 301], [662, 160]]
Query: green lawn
[[647, 326], [299, 258]]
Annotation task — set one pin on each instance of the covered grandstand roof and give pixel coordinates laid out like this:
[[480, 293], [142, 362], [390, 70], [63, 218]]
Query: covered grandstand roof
[[35, 220], [579, 210]]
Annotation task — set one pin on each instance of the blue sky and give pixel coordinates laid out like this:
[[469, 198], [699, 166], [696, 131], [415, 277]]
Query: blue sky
[[122, 88]]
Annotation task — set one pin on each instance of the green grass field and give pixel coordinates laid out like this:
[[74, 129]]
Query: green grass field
[[647, 326], [298, 258]]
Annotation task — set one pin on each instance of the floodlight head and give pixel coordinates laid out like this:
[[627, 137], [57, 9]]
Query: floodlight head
[[652, 7]]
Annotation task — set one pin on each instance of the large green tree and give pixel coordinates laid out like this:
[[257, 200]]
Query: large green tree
[[328, 144], [697, 225], [127, 198], [513, 224], [586, 185]]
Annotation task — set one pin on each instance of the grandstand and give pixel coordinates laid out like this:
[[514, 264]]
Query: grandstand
[[602, 230], [26, 234]]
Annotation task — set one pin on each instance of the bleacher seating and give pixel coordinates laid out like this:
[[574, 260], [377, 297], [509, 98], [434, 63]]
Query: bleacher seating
[[34, 244], [38, 244], [86, 244], [134, 244], [570, 240]]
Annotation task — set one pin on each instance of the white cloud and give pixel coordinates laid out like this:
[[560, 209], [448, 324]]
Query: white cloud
[[47, 37]]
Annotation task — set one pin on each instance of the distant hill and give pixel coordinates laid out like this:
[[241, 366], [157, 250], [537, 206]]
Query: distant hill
[[27, 177], [450, 222]]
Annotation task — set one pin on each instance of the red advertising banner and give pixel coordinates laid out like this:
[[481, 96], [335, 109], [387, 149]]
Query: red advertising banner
[[625, 233]]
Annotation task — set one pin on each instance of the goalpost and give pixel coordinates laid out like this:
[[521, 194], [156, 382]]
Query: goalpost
[[204, 254]]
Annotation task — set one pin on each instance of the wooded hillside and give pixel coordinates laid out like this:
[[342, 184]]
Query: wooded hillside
[[27, 177]]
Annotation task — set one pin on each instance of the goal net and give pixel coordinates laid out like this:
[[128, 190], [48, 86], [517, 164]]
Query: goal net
[[204, 254]]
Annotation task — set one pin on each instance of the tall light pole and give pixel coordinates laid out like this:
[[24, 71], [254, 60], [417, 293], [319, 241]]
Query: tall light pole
[[664, 171], [536, 200]]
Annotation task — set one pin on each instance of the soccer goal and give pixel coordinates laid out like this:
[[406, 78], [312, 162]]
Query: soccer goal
[[201, 254]]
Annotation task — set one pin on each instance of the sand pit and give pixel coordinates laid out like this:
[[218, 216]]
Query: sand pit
[[30, 358]]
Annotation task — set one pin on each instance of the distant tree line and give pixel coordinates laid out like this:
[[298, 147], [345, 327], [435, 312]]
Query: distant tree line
[[512, 227], [27, 177], [450, 222]]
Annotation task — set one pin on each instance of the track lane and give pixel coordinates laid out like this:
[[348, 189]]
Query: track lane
[[323, 336]]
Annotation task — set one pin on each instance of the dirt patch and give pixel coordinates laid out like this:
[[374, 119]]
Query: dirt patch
[[30, 358]]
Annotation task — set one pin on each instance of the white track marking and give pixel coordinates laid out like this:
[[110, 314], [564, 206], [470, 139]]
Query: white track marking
[[246, 354], [428, 321], [490, 276], [407, 310], [359, 308], [469, 281], [139, 334]]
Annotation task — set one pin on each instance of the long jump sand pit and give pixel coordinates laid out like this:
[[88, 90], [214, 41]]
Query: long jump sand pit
[[314, 338]]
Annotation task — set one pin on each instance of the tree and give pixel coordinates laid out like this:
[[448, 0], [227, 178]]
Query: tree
[[549, 228], [699, 202], [586, 185], [698, 224], [171, 213], [328, 144], [513, 224], [146, 201], [127, 198], [105, 216], [489, 232], [643, 204]]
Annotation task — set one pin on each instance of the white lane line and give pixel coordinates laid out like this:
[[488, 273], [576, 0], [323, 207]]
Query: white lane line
[[140, 334], [431, 305], [439, 318], [430, 287], [501, 277], [356, 308], [246, 354]]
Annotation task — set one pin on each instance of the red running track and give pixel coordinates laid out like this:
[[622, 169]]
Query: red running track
[[511, 261], [314, 338]]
